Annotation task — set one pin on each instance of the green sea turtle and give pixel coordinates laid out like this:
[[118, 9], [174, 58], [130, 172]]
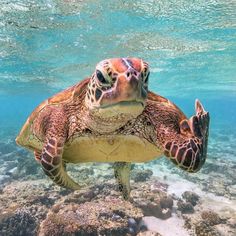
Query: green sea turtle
[[113, 117]]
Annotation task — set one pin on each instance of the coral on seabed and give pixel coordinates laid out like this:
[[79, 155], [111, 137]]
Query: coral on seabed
[[191, 197], [211, 217], [139, 175], [20, 223], [204, 229], [110, 217], [152, 201], [98, 207], [185, 207]]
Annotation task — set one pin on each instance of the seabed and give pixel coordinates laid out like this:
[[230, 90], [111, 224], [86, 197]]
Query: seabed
[[49, 45], [164, 200]]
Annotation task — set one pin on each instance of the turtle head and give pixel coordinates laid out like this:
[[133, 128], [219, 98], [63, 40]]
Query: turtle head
[[118, 89], [118, 80]]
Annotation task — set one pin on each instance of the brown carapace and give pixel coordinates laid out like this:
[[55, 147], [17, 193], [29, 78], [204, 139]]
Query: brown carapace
[[113, 117]]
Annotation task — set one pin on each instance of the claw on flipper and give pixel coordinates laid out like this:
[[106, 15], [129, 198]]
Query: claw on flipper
[[199, 107]]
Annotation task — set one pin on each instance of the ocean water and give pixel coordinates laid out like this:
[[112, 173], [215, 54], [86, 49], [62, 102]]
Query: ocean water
[[48, 45]]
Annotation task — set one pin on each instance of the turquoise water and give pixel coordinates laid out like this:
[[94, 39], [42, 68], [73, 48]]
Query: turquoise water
[[46, 46], [49, 45]]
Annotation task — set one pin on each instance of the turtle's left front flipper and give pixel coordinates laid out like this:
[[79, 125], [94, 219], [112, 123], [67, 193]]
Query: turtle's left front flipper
[[188, 148]]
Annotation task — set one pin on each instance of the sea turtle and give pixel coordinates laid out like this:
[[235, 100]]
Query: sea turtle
[[113, 117]]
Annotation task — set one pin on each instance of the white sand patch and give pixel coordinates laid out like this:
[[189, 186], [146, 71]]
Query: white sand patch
[[221, 205], [208, 200], [179, 187], [170, 227]]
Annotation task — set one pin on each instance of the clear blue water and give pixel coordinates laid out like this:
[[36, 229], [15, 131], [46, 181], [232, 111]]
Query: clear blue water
[[46, 46], [49, 45]]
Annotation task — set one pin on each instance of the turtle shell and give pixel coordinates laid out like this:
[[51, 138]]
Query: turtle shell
[[26, 134]]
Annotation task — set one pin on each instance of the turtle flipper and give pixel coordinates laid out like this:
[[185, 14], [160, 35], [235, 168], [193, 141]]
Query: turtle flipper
[[51, 156], [53, 166], [199, 123], [37, 156], [188, 150], [122, 175]]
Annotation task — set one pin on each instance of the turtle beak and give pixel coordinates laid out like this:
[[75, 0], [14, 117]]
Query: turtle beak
[[132, 89], [138, 91], [127, 89]]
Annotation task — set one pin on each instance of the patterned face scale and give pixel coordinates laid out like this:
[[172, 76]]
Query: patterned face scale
[[118, 80]]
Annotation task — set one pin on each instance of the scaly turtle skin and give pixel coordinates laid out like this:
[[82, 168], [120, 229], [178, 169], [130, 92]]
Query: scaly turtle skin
[[112, 117]]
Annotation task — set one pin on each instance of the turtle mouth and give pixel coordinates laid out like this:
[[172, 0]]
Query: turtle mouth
[[124, 103]]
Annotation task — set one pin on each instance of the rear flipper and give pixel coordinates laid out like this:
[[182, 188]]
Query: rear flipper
[[122, 175], [188, 150]]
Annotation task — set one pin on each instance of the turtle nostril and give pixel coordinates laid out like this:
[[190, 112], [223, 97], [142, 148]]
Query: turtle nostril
[[128, 74]]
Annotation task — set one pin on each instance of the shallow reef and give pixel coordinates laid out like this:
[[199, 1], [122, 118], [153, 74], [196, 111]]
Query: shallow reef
[[164, 200], [45, 209], [110, 217], [20, 222]]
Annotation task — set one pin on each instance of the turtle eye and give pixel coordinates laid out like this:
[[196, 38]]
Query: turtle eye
[[145, 75], [101, 78]]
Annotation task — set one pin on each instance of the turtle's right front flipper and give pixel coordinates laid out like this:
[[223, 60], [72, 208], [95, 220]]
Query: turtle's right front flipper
[[188, 148], [51, 156]]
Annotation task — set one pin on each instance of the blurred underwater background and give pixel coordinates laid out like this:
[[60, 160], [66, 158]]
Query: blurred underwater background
[[49, 45]]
